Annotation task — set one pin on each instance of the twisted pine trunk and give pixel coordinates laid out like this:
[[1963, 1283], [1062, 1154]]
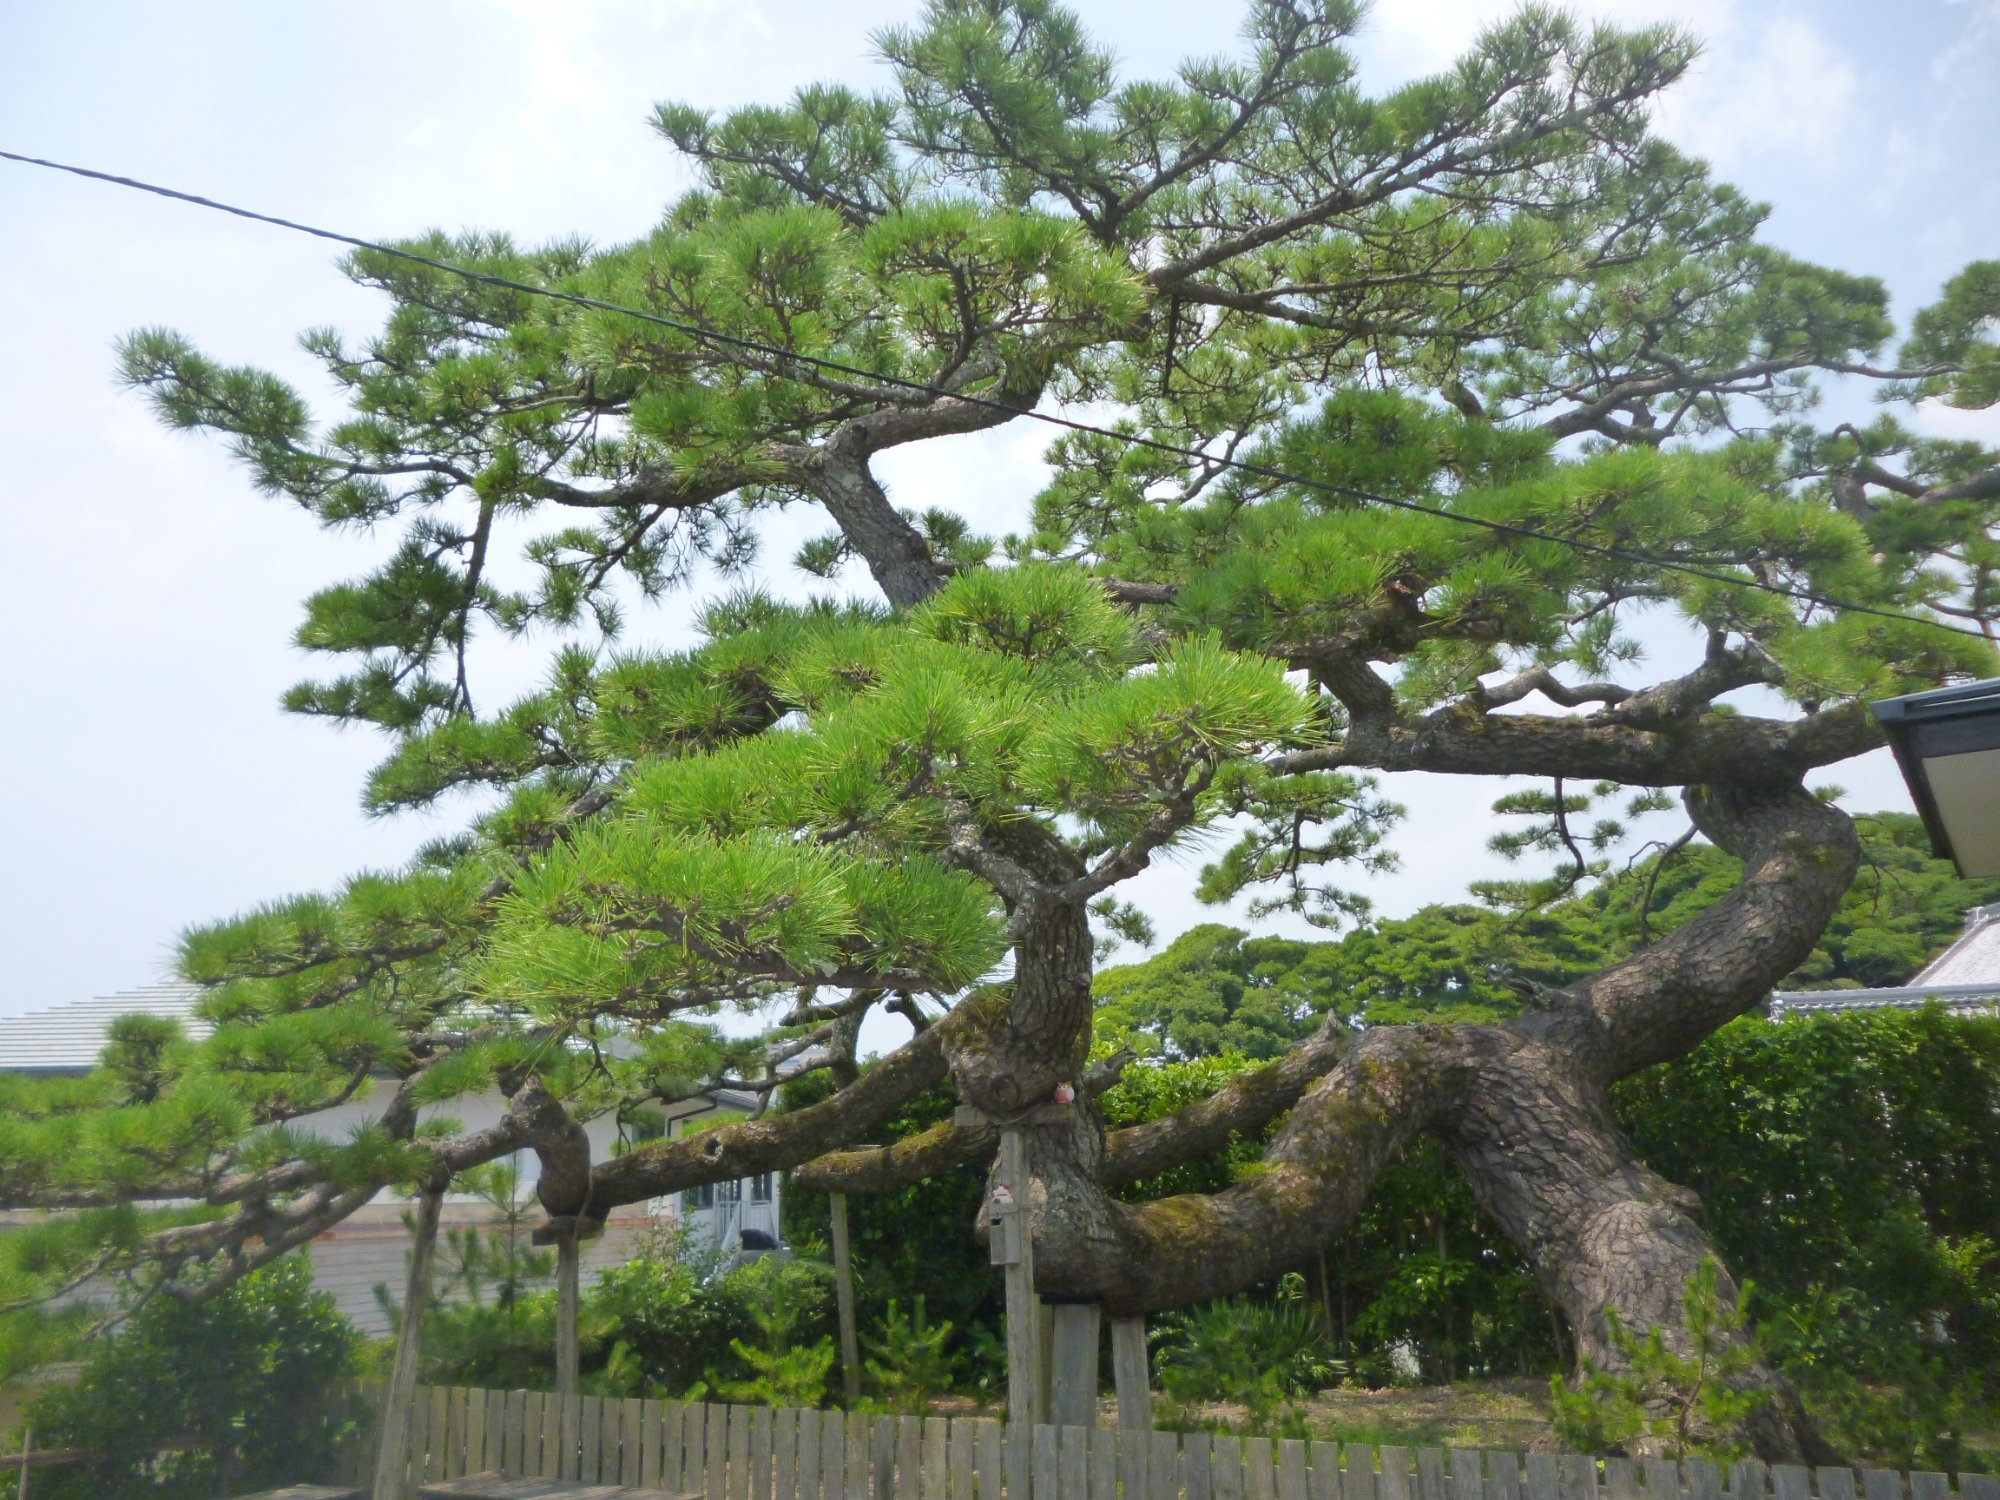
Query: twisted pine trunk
[[1534, 1131], [1524, 1108]]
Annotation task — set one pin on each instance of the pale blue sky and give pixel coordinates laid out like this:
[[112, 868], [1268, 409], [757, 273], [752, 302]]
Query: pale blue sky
[[147, 595]]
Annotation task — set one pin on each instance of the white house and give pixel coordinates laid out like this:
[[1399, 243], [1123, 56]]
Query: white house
[[368, 1248], [1965, 977]]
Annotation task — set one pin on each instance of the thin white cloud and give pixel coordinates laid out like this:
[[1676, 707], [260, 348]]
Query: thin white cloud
[[1982, 31], [1776, 89]]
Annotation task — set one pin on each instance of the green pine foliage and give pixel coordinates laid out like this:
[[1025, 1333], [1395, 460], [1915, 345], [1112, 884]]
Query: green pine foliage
[[909, 1359], [1495, 354]]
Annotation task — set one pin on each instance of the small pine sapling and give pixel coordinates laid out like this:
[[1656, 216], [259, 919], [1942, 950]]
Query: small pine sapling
[[1678, 1404], [910, 1361]]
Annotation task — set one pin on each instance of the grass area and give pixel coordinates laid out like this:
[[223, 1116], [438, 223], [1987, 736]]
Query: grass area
[[1472, 1414]]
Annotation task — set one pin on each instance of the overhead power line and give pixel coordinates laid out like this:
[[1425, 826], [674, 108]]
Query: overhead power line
[[717, 338]]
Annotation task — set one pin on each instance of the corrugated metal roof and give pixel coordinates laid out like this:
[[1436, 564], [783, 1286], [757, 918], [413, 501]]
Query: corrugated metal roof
[[68, 1038]]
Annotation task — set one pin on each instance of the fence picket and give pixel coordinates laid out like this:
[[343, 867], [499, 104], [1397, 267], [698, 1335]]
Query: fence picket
[[611, 1440], [936, 1481], [1323, 1471], [857, 1456], [590, 1455], [1576, 1477], [1042, 1461], [1663, 1479], [1835, 1483], [1540, 1477], [1357, 1480], [1393, 1483], [1260, 1477], [1880, 1484], [1704, 1480], [811, 1463], [1621, 1479], [1467, 1483], [789, 1433], [651, 1440], [1978, 1487], [1073, 1462], [909, 1459], [1925, 1485], [869, 1455], [715, 1445], [458, 1418], [631, 1446], [991, 1464], [1791, 1482], [738, 1478], [1198, 1465], [833, 1455], [1430, 1474], [600, 1425], [1163, 1467], [550, 1465], [1226, 1468], [1503, 1476], [489, 1411], [694, 1446], [761, 1424], [1291, 1470], [1103, 1463], [962, 1459], [1132, 1442]]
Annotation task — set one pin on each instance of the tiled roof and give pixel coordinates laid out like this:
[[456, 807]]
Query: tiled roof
[[1974, 958], [68, 1038], [1965, 977]]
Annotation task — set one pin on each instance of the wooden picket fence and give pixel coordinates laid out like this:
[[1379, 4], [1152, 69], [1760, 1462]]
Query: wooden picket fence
[[757, 1453]]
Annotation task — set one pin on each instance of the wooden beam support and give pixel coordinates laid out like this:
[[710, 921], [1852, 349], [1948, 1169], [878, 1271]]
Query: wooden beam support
[[1073, 1366], [1024, 1343], [1129, 1375], [392, 1452], [843, 1292]]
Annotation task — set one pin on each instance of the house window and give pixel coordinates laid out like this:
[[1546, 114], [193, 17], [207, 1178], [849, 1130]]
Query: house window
[[700, 1198], [760, 1188]]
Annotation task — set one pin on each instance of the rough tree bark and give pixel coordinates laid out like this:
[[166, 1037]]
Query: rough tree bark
[[1534, 1132]]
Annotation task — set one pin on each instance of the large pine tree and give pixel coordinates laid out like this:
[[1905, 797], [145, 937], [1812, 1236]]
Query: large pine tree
[[1496, 357]]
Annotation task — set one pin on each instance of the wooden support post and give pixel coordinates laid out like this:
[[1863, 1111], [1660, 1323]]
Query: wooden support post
[[392, 1450], [569, 1278], [1024, 1340], [843, 1292], [569, 1339], [1073, 1365], [1129, 1375]]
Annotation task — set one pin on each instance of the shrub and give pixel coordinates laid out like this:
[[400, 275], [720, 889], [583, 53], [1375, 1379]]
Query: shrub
[[238, 1387], [1258, 1353]]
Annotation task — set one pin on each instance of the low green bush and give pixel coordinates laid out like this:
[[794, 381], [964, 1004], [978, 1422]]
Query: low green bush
[[188, 1401]]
